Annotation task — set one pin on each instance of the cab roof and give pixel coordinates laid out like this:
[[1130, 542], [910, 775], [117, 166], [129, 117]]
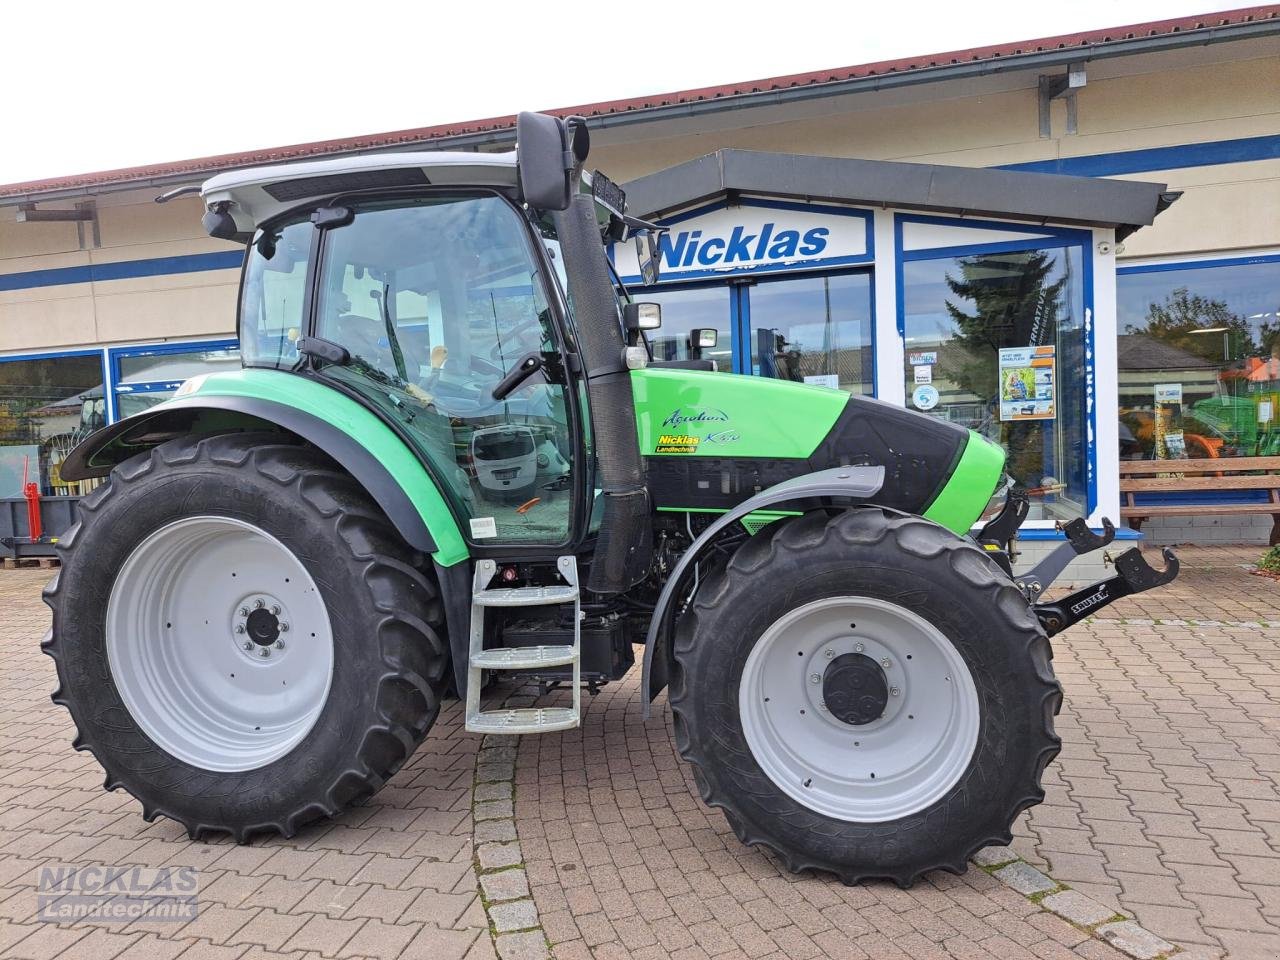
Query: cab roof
[[257, 194]]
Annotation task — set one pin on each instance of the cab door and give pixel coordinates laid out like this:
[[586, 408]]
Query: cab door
[[437, 299]]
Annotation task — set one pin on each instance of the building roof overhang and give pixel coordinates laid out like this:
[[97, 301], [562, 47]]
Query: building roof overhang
[[1041, 54], [1124, 205]]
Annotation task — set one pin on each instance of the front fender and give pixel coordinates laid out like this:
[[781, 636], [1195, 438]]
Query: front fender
[[354, 437], [858, 484]]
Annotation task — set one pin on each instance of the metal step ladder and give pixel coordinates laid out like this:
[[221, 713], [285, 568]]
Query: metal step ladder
[[522, 719]]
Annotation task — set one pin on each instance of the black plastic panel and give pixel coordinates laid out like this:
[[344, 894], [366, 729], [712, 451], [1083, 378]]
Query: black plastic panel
[[917, 452], [304, 187]]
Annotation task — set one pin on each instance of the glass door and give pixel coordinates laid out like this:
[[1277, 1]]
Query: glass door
[[814, 329], [685, 308], [995, 340]]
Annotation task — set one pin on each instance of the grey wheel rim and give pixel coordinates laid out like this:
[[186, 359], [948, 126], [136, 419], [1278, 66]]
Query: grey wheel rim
[[897, 764], [219, 643]]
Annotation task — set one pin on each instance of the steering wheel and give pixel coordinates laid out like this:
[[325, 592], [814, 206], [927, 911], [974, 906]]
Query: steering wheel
[[362, 336], [514, 334]]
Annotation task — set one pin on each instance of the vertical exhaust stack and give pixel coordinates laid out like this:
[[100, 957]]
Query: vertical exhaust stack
[[625, 543], [551, 153]]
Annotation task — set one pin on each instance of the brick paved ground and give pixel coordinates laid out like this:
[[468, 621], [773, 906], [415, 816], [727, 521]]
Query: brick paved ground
[[391, 879], [1164, 804]]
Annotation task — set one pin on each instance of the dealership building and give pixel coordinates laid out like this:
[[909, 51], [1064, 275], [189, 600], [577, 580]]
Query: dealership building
[[1069, 244]]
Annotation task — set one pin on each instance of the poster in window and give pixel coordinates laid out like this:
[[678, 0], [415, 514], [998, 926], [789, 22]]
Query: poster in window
[[1170, 442], [1028, 383]]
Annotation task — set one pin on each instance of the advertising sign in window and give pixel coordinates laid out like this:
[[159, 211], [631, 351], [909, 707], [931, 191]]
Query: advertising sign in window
[[1027, 383]]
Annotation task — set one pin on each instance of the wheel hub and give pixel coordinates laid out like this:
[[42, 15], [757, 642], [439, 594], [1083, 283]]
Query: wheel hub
[[263, 627], [259, 623], [855, 689]]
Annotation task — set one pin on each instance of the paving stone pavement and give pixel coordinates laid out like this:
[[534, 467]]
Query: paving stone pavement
[[394, 878], [1165, 800], [1164, 805]]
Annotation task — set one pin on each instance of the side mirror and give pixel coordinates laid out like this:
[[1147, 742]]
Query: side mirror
[[649, 256], [642, 316], [549, 149], [703, 337]]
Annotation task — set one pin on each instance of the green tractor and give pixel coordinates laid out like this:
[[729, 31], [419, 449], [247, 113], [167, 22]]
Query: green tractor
[[450, 456]]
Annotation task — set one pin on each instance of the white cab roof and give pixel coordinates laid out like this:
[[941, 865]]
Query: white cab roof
[[257, 194]]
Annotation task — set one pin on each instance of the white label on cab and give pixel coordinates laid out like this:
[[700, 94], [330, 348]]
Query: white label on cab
[[483, 528]]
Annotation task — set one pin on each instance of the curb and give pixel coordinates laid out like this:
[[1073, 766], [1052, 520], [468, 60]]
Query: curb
[[514, 925], [1084, 913]]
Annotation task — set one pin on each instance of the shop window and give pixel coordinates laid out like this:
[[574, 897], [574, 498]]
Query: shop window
[[995, 341], [147, 376], [1199, 360], [47, 405], [685, 309], [814, 329]]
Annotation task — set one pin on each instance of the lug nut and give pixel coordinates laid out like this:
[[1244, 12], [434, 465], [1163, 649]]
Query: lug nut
[[259, 603], [275, 611], [829, 654], [279, 644], [815, 678], [885, 663], [858, 648], [894, 691], [244, 611], [248, 644], [822, 706], [284, 627], [265, 652], [240, 628]]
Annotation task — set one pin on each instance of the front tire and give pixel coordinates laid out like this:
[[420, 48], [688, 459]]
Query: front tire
[[864, 693], [243, 640]]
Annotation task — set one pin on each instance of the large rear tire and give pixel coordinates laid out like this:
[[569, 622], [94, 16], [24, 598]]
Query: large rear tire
[[864, 693], [243, 640]]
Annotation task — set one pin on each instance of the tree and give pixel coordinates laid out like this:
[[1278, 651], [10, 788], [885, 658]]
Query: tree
[[1182, 319]]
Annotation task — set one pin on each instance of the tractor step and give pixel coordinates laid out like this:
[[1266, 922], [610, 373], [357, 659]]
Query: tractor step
[[523, 658], [523, 719], [525, 596]]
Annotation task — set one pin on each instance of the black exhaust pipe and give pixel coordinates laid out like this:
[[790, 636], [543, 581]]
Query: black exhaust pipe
[[625, 543]]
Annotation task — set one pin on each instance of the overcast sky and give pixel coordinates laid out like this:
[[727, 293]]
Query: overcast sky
[[88, 86]]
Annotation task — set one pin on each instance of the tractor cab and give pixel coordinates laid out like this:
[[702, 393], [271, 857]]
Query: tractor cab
[[438, 299], [421, 304]]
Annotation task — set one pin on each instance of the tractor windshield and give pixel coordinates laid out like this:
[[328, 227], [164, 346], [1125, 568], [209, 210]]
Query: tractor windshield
[[437, 299]]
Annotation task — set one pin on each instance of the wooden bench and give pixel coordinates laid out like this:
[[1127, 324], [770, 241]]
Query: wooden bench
[[1198, 476]]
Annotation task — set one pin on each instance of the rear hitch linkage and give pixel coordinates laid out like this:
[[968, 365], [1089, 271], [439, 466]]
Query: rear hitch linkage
[[1133, 573]]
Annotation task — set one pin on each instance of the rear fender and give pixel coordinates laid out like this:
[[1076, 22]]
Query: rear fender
[[834, 486], [425, 526]]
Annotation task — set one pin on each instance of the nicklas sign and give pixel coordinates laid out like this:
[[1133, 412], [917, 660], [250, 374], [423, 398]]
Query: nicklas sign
[[756, 236]]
